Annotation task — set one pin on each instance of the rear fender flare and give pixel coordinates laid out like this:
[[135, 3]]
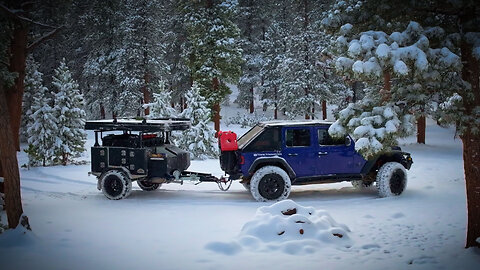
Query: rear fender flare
[[274, 161]]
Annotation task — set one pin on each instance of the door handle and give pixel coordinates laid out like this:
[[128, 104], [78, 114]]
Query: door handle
[[292, 155], [322, 153]]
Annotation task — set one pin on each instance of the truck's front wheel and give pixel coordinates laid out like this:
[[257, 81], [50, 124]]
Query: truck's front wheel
[[115, 184], [270, 183], [391, 179]]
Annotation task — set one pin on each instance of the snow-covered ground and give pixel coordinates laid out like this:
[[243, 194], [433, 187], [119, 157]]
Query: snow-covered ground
[[201, 227]]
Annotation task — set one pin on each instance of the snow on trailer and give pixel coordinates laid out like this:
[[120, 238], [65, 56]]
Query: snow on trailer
[[142, 153]]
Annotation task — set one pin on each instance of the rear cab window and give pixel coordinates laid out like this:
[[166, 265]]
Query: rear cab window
[[268, 140]]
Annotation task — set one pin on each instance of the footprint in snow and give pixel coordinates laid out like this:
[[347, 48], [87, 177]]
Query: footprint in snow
[[398, 215]]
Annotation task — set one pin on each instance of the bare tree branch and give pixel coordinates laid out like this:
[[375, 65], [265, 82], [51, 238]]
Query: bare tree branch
[[15, 14], [43, 38]]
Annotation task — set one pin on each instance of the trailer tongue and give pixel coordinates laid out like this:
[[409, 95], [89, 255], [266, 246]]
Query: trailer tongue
[[141, 150]]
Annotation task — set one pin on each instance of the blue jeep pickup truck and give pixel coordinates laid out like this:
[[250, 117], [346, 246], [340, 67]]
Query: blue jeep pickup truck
[[273, 156]]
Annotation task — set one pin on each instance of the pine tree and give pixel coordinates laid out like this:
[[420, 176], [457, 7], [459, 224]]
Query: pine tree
[[303, 84], [161, 105], [214, 56], [42, 127], [33, 82], [200, 139], [274, 48], [429, 56], [104, 61], [142, 52], [252, 25], [69, 115]]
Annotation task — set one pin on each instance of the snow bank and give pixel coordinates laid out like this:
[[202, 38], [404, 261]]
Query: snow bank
[[19, 237], [289, 227]]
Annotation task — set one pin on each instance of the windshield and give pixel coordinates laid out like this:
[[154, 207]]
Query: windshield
[[252, 133]]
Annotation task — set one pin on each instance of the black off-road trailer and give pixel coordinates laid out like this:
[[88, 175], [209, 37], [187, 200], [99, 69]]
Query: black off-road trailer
[[140, 150]]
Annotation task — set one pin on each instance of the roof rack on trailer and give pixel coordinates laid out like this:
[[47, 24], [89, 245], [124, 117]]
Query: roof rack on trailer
[[144, 125]]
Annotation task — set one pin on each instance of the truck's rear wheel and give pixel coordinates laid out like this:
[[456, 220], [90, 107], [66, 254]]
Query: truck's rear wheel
[[115, 184], [148, 186], [270, 183], [391, 179]]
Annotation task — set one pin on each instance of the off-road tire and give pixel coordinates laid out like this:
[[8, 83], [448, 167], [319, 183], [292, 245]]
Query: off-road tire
[[270, 183], [391, 179], [115, 184], [148, 186]]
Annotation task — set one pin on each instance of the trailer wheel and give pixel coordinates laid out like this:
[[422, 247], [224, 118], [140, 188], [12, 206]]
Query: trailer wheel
[[148, 186], [115, 184], [270, 183]]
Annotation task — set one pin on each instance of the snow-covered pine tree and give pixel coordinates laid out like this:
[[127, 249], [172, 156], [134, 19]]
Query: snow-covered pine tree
[[41, 130], [377, 57], [161, 105], [70, 116], [214, 56], [176, 51], [33, 81], [106, 61], [274, 48], [303, 84], [456, 24], [200, 139], [252, 24], [142, 53]]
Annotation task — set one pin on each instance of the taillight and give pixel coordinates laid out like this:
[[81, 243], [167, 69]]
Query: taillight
[[242, 160]]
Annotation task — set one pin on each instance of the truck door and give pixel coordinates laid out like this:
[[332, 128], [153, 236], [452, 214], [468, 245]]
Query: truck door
[[299, 150], [335, 156]]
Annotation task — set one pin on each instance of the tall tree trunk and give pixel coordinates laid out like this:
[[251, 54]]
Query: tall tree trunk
[[385, 92], [146, 93], [102, 111], [275, 112], [471, 145], [324, 109], [14, 95], [471, 157], [216, 107], [421, 126], [252, 109], [8, 158]]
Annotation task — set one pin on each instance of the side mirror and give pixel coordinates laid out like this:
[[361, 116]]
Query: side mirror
[[348, 141]]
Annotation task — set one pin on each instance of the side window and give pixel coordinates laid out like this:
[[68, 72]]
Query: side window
[[325, 139], [269, 140], [297, 137]]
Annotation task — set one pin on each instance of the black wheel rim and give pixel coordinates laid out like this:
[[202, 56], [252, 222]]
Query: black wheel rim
[[397, 182], [271, 186], [113, 186]]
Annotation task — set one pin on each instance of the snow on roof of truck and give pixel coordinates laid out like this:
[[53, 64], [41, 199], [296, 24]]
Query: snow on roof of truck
[[296, 123], [145, 125]]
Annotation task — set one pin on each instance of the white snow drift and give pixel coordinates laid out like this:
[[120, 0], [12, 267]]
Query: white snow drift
[[289, 227]]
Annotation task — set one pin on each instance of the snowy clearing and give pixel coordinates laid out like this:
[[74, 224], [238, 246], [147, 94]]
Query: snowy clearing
[[200, 227]]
